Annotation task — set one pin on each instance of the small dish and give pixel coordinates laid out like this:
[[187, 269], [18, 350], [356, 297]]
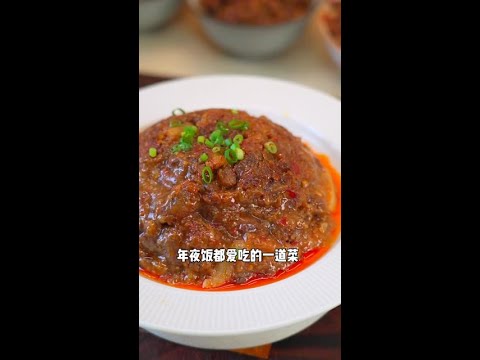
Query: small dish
[[156, 13], [252, 41], [333, 47]]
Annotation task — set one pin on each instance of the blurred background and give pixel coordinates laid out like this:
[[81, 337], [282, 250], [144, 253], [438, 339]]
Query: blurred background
[[299, 41]]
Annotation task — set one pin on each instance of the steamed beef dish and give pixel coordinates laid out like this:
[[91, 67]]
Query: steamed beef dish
[[197, 193], [256, 12]]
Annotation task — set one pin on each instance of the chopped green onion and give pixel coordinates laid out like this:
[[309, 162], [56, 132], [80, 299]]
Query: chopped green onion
[[216, 149], [187, 138], [207, 175], [215, 134], [182, 146], [178, 112], [234, 146], [228, 142], [238, 139], [201, 139], [152, 152], [231, 156], [209, 143], [217, 137], [175, 123], [190, 129], [186, 141], [234, 111], [271, 147], [203, 157], [188, 133], [238, 125], [221, 126], [240, 154]]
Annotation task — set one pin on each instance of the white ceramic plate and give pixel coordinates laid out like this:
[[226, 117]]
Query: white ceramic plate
[[250, 317]]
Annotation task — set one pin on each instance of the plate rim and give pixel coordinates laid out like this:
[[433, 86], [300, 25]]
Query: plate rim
[[150, 87]]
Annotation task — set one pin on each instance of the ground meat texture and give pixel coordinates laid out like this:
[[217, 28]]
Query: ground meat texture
[[256, 12], [227, 177], [265, 201]]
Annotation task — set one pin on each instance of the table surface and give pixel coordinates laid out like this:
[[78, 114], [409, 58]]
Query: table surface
[[319, 341], [181, 48]]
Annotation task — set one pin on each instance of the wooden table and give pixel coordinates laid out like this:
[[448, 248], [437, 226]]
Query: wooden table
[[320, 341]]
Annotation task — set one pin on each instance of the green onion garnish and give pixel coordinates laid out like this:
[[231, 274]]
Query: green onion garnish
[[152, 152], [209, 143], [271, 147], [238, 139], [186, 140], [189, 133], [178, 112], [190, 129], [207, 175], [217, 137], [234, 146], [182, 146], [231, 156], [240, 154], [201, 139], [203, 157], [234, 111], [187, 136], [216, 149], [238, 125], [221, 126], [228, 142]]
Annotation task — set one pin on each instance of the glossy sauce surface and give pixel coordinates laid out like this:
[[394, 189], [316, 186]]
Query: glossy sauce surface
[[268, 200], [307, 259]]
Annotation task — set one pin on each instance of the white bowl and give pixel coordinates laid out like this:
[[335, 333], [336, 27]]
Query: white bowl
[[252, 41], [255, 316], [156, 13], [334, 50]]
